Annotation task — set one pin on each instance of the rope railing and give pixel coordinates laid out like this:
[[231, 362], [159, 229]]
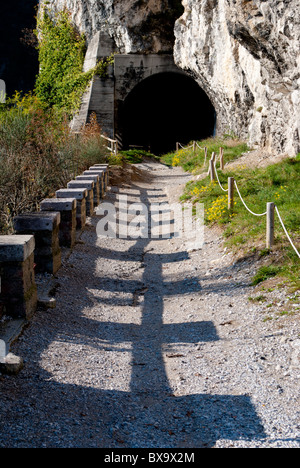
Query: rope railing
[[250, 211], [286, 233], [216, 171], [183, 147], [271, 207], [195, 143], [200, 146]]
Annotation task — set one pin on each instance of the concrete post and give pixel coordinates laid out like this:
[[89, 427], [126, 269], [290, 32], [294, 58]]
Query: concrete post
[[105, 168], [205, 154], [45, 228], [80, 195], [270, 224], [96, 179], [222, 159], [67, 209], [212, 170], [18, 293], [230, 193], [89, 185], [101, 174]]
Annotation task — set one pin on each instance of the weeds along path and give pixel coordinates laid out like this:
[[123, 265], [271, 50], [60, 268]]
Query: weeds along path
[[153, 346]]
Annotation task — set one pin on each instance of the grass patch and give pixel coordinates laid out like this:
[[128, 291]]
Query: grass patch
[[136, 156], [194, 161], [244, 233], [260, 298], [264, 273]]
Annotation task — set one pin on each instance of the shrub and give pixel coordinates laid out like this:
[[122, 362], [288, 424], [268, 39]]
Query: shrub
[[38, 152], [264, 273], [38, 155]]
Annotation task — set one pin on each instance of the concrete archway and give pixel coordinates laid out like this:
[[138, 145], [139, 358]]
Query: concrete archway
[[165, 108], [145, 100]]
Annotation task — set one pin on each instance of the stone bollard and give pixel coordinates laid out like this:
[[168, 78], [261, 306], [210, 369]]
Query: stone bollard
[[67, 209], [96, 179], [102, 167], [105, 168], [101, 175], [45, 228], [80, 195], [89, 185], [18, 295]]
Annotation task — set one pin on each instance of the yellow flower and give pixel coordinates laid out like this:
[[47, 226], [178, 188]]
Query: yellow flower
[[176, 161], [217, 209]]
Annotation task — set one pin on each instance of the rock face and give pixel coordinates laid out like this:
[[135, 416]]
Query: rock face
[[245, 55], [137, 26]]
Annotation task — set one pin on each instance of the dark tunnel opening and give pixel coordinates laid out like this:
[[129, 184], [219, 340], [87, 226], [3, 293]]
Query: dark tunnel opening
[[164, 109]]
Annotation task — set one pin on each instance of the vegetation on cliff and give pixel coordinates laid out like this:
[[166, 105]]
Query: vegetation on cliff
[[61, 81], [38, 152]]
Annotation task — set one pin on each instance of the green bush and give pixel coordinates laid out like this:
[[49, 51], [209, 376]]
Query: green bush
[[39, 154], [136, 156], [264, 273], [61, 81]]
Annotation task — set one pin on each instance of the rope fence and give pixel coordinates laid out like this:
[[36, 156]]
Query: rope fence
[[287, 234], [269, 213], [222, 188], [254, 214], [232, 186]]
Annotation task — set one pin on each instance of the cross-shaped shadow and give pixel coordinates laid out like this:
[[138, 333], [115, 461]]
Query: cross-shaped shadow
[[66, 399], [203, 418]]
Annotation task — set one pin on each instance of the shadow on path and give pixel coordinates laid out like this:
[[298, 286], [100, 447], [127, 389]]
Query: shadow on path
[[40, 411]]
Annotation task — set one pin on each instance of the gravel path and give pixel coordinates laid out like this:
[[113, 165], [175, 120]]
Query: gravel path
[[152, 346]]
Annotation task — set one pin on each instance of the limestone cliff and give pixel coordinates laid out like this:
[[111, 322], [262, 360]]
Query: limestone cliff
[[136, 26], [245, 55]]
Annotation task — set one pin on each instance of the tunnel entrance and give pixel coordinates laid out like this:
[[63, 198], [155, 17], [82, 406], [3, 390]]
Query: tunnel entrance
[[163, 109]]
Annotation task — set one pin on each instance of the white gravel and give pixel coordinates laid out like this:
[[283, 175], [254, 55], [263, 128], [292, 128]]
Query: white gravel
[[153, 346]]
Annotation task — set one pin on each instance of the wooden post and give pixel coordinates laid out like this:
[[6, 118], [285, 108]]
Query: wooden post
[[230, 193], [212, 170], [270, 224], [222, 159], [177, 146], [205, 152], [194, 147]]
